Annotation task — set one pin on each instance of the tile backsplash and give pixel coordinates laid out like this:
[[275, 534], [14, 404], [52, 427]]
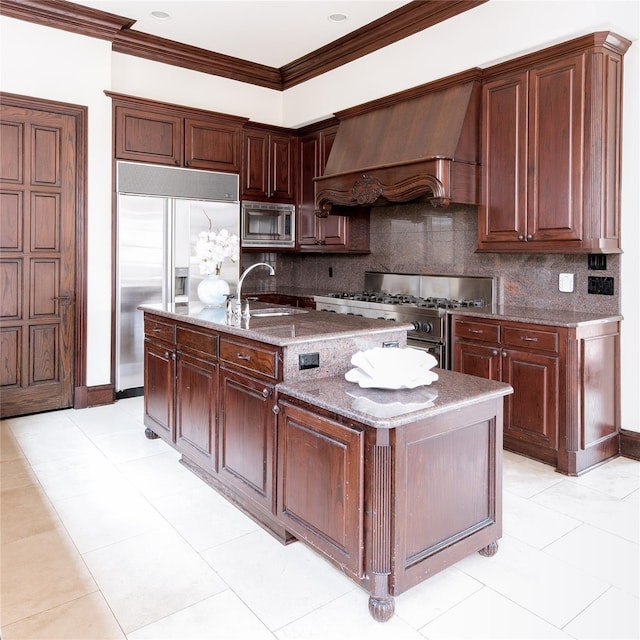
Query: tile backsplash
[[416, 238]]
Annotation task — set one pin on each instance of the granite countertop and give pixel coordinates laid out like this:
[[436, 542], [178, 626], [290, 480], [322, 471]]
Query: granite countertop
[[532, 315], [386, 408], [308, 326]]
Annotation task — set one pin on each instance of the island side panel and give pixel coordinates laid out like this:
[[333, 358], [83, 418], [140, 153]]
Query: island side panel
[[448, 491]]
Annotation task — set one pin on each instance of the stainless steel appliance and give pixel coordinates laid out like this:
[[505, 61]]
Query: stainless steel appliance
[[421, 300], [161, 211], [268, 224]]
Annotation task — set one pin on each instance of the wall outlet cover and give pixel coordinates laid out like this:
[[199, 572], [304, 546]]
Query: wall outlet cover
[[566, 282]]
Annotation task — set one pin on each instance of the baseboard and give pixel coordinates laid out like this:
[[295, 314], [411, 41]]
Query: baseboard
[[630, 444], [85, 397]]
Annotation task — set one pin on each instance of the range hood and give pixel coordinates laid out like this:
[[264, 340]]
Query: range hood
[[422, 144]]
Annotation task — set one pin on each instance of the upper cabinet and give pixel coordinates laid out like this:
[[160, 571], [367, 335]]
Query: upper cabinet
[[149, 131], [268, 164], [551, 131], [333, 233]]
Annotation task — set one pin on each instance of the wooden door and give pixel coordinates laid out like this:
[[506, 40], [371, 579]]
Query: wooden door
[[38, 173], [159, 389]]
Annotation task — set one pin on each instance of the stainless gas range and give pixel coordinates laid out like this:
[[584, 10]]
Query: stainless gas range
[[421, 300]]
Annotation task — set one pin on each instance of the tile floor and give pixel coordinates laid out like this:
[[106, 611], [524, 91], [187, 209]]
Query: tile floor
[[105, 536]]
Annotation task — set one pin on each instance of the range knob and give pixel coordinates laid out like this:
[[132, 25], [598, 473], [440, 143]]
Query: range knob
[[425, 327]]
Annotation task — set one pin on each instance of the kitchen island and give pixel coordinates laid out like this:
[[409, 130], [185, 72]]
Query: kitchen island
[[390, 486]]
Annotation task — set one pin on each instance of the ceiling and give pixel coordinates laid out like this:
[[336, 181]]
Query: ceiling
[[268, 32]]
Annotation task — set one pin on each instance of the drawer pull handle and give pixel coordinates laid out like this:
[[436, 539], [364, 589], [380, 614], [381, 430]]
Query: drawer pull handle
[[528, 339], [157, 330], [243, 356], [476, 331]]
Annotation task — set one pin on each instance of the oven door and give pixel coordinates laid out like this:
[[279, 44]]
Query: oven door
[[436, 349]]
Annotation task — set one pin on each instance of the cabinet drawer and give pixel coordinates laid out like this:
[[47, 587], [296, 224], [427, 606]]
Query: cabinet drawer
[[204, 341], [156, 330], [251, 356], [475, 330], [530, 338]]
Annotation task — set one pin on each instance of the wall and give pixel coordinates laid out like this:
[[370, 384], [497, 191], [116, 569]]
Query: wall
[[74, 69]]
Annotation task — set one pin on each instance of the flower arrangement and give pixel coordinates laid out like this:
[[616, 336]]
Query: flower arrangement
[[213, 247]]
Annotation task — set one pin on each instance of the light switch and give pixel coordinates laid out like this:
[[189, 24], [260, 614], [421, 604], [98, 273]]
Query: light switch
[[565, 282]]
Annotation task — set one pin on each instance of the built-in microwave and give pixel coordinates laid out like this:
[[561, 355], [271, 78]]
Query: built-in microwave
[[268, 224]]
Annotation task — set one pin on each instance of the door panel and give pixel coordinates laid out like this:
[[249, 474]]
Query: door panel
[[37, 259]]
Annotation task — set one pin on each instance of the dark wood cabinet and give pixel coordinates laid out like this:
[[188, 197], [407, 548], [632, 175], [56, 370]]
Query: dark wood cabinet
[[159, 378], [551, 135], [196, 408], [160, 133], [334, 233], [550, 416], [321, 483], [269, 164]]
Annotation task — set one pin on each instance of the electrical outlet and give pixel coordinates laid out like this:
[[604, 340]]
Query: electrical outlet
[[565, 282], [602, 286], [308, 361]]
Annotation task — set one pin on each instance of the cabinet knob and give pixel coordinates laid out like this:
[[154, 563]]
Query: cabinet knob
[[276, 409], [529, 236], [504, 354], [494, 352], [520, 237], [265, 393]]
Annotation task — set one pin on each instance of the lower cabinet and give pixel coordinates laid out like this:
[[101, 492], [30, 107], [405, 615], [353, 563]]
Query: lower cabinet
[[159, 379], [247, 436], [557, 414], [321, 483], [196, 408]]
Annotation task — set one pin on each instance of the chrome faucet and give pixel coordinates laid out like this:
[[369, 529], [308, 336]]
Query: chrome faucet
[[238, 302]]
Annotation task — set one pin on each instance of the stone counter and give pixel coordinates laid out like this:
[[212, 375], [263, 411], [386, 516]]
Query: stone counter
[[532, 315], [386, 408], [335, 338]]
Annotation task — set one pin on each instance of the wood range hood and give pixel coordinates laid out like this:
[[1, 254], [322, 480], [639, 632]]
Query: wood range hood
[[422, 144]]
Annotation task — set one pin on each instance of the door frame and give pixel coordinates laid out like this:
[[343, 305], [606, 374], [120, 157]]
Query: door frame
[[81, 395]]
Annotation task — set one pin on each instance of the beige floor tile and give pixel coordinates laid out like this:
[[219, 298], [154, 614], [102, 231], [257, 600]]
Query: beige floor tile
[[86, 618], [286, 582], [221, 617], [39, 573], [151, 576], [613, 616], [487, 615], [26, 511], [347, 618]]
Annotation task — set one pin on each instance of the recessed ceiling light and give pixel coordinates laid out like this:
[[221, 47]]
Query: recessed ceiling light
[[337, 17], [160, 15]]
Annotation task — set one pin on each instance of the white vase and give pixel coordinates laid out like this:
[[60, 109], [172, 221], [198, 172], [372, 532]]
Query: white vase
[[212, 291]]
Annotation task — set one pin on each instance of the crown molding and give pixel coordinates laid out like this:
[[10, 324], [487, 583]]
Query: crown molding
[[68, 16], [401, 23], [144, 45], [397, 25]]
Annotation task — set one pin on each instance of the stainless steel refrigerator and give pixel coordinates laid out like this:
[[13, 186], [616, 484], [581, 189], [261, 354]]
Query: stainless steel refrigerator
[[161, 211]]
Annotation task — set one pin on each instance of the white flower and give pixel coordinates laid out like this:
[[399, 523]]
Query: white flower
[[213, 247]]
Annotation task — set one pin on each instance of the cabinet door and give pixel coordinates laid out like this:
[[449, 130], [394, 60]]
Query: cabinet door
[[148, 136], [282, 168], [477, 360], [320, 483], [532, 412], [556, 106], [159, 389], [502, 218], [213, 145], [247, 436], [308, 169], [255, 164], [196, 407]]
